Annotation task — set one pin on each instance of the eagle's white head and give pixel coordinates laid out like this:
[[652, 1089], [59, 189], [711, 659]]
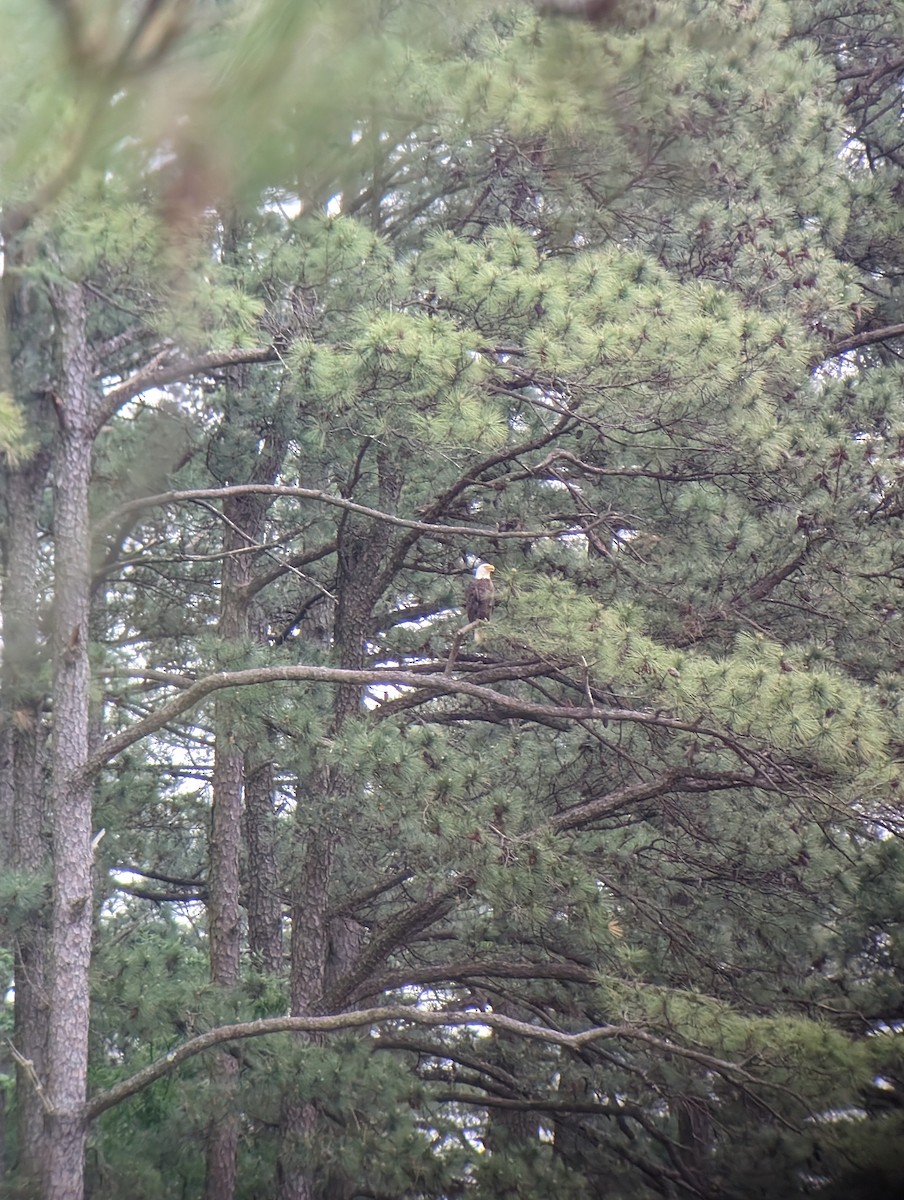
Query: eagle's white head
[[484, 571]]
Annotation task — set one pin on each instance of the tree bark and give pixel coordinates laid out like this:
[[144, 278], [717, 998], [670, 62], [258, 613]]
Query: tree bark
[[309, 950], [24, 797], [508, 1132], [223, 912], [71, 926], [23, 793], [262, 870], [244, 516], [224, 925], [321, 949]]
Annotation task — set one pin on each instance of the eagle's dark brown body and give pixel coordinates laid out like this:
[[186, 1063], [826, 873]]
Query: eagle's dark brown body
[[480, 594]]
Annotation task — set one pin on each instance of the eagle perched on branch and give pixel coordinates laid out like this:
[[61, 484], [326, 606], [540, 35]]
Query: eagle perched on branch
[[480, 594]]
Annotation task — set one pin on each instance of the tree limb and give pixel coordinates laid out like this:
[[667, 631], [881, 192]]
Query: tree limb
[[439, 684], [868, 338], [391, 1014], [169, 368], [604, 806], [470, 970], [300, 493]]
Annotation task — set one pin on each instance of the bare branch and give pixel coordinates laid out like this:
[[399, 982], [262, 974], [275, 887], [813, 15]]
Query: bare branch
[[476, 969], [453, 653], [440, 684], [356, 900], [29, 1068], [391, 1014], [613, 802], [168, 367], [858, 340], [300, 493]]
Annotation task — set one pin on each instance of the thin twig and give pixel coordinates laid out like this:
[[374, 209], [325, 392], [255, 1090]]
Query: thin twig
[[29, 1068], [453, 653]]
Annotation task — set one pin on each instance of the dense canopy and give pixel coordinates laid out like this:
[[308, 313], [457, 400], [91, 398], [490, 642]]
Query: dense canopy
[[307, 310]]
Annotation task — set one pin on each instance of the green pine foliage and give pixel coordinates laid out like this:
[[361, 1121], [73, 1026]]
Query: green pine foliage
[[616, 307]]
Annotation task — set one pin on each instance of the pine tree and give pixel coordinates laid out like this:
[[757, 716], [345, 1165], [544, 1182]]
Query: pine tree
[[298, 335]]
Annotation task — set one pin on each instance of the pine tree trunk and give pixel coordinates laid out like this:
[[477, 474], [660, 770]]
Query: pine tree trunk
[[262, 871], [317, 956], [262, 877], [308, 951], [223, 914], [245, 518], [71, 927], [224, 929], [508, 1132], [25, 797]]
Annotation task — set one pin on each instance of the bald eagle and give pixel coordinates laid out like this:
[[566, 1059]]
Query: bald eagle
[[480, 594]]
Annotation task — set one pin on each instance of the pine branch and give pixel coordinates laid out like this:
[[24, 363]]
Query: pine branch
[[292, 565], [485, 674], [484, 1100], [758, 590], [354, 902], [455, 1053], [441, 503], [159, 897], [397, 932], [300, 493], [583, 814], [586, 468], [150, 37], [477, 969], [857, 341], [166, 368], [159, 877], [21, 217], [439, 684], [403, 926], [392, 1014], [588, 10]]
